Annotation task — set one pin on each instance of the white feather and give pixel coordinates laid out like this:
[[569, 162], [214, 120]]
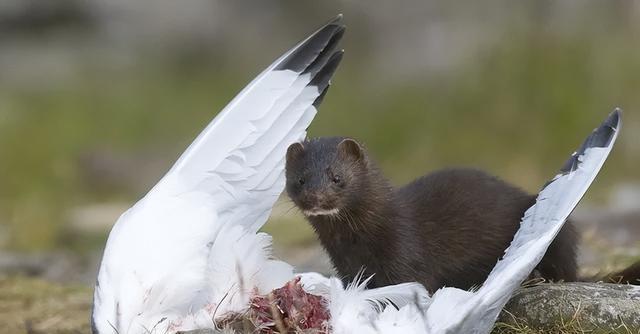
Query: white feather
[[189, 250], [356, 309], [454, 312], [316, 284], [407, 320]]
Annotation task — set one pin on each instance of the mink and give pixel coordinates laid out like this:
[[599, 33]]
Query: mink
[[447, 228]]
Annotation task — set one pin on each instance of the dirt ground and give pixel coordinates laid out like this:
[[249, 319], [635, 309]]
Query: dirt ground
[[51, 293]]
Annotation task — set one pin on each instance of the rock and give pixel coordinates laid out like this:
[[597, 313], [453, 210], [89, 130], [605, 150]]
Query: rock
[[54, 266], [591, 306]]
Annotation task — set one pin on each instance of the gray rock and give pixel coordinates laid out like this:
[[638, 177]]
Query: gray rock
[[594, 306]]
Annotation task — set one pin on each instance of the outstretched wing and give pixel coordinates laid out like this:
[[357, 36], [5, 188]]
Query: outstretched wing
[[173, 252], [540, 225], [239, 157]]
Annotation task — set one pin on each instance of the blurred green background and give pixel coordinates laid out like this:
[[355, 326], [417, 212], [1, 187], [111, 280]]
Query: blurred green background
[[97, 99]]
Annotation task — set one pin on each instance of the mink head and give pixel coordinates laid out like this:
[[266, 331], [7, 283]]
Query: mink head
[[326, 175]]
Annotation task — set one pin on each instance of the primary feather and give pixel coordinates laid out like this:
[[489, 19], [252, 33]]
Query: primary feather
[[189, 248]]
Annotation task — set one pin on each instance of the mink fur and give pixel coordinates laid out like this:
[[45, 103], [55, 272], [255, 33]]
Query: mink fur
[[447, 228]]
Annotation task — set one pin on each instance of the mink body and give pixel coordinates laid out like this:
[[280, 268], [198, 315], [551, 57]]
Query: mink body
[[447, 228]]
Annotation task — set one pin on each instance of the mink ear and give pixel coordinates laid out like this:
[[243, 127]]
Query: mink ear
[[294, 151], [351, 149]]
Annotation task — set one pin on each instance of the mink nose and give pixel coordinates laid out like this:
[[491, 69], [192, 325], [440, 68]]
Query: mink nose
[[319, 200]]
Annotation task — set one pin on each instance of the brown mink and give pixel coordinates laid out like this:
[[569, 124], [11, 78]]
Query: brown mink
[[447, 228]]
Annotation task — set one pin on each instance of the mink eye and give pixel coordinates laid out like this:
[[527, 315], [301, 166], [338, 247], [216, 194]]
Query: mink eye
[[336, 179], [300, 181]]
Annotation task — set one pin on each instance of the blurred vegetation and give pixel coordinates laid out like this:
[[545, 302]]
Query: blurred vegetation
[[517, 109], [30, 305], [91, 141]]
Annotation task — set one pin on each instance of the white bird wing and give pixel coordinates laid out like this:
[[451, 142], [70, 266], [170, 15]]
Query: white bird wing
[[477, 312], [239, 157], [173, 252]]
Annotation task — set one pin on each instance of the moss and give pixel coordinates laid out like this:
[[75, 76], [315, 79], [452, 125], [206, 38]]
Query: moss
[[30, 305]]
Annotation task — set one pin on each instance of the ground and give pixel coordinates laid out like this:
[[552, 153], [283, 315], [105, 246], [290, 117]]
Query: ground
[[34, 306], [51, 293], [31, 305]]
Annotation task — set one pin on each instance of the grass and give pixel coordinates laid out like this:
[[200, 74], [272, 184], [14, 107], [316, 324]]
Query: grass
[[35, 306], [562, 326], [517, 111]]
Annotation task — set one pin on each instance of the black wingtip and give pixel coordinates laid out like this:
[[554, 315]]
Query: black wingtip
[[320, 97], [322, 57], [336, 19], [615, 118], [321, 79], [600, 137], [312, 48]]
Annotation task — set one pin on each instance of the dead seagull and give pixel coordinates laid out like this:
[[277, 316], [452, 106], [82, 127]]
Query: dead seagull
[[189, 248], [188, 254]]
